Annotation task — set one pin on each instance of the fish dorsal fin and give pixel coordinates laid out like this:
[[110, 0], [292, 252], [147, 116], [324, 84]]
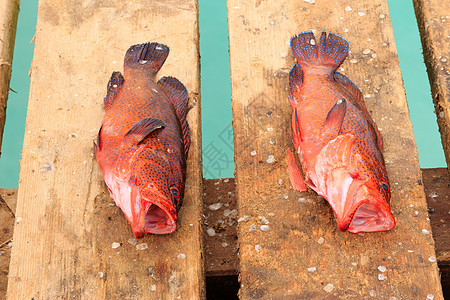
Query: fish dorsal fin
[[149, 56], [114, 85], [179, 97], [142, 128], [334, 119], [352, 89]]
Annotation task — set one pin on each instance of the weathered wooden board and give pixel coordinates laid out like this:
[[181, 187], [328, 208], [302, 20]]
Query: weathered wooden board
[[219, 227], [433, 17], [437, 190], [62, 248], [8, 199], [9, 10], [303, 254]]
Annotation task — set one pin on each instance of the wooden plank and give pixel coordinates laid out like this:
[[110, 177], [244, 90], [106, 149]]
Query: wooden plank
[[219, 227], [433, 17], [303, 254], [8, 199], [9, 10], [63, 245], [437, 189]]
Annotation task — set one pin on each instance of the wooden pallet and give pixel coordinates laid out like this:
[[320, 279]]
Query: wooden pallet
[[65, 223], [303, 255], [63, 243]]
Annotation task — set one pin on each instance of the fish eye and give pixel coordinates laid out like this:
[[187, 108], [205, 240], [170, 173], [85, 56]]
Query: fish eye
[[385, 186], [174, 191]]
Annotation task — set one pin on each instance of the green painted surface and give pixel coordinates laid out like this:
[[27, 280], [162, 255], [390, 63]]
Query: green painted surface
[[216, 90]]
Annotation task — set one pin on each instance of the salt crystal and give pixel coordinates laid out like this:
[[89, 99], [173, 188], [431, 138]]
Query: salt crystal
[[142, 62], [416, 212], [224, 245], [2, 252], [181, 256], [210, 231], [100, 274], [443, 59], [243, 219], [47, 168], [142, 246], [252, 228], [283, 54], [312, 42], [215, 206], [253, 153], [153, 287], [226, 180], [432, 259], [361, 13], [264, 227], [410, 251], [285, 196], [115, 245], [366, 51], [280, 181], [258, 248], [270, 159], [354, 263], [312, 269], [382, 16], [114, 85], [353, 60], [301, 200], [424, 231], [348, 8], [264, 221], [310, 1], [345, 29], [321, 240], [271, 214], [374, 55], [132, 241], [382, 269], [381, 277], [372, 293], [430, 297], [329, 288], [18, 220]]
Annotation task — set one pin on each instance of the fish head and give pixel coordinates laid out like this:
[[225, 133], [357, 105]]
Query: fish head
[[148, 193], [356, 187]]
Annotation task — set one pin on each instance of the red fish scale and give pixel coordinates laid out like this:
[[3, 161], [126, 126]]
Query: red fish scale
[[141, 98], [322, 91]]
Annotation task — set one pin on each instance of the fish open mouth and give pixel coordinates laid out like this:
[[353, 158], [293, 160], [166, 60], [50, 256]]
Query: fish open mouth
[[369, 218], [158, 221]]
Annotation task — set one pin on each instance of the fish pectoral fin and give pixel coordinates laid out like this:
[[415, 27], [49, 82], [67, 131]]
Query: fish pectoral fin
[[178, 95], [114, 85], [142, 128], [98, 145], [334, 119], [295, 175]]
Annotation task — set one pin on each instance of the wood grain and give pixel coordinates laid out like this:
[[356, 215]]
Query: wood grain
[[9, 10], [303, 255], [63, 246], [433, 17]]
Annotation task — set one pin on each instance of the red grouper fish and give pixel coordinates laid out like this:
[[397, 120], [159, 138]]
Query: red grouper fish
[[144, 140], [337, 142]]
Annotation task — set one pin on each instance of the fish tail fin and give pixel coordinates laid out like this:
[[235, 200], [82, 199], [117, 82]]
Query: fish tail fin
[[329, 52], [149, 56]]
